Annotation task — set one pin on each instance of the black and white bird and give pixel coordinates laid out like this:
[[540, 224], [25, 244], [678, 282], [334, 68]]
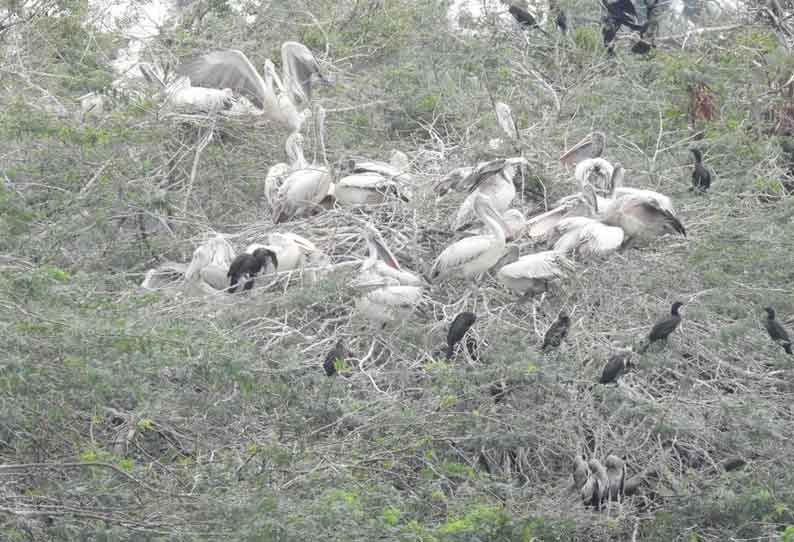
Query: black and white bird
[[248, 266]]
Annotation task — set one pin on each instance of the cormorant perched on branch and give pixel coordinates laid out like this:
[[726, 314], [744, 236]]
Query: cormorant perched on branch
[[620, 13], [250, 265], [460, 325], [561, 21], [664, 327], [776, 331], [701, 178], [615, 367], [557, 332], [523, 17]]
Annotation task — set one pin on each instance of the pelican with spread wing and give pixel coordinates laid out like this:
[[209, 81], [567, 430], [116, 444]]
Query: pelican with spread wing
[[231, 69]]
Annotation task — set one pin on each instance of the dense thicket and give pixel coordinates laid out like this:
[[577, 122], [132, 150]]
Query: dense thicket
[[134, 415]]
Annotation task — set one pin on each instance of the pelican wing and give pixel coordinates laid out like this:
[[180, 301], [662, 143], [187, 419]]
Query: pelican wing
[[286, 238], [460, 253], [396, 296], [663, 201], [452, 180], [505, 118], [483, 172], [364, 181], [228, 68], [542, 265], [299, 65], [599, 239]]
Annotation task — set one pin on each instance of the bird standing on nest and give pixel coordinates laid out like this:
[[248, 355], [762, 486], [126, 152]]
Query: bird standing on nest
[[615, 367], [249, 265], [557, 332], [337, 353], [701, 177], [664, 327], [460, 325], [776, 331]]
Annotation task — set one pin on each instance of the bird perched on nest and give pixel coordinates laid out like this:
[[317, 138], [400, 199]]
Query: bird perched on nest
[[664, 327], [701, 177], [460, 325], [337, 353], [616, 473], [249, 265], [616, 365], [557, 332], [776, 331]]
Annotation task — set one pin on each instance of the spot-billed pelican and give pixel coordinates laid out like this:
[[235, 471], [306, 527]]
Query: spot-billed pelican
[[618, 190], [365, 189], [230, 68], [389, 292], [542, 225], [504, 116], [640, 217], [452, 180], [495, 180], [305, 188], [474, 255], [292, 251], [210, 263], [596, 172], [278, 172], [591, 146], [530, 275]]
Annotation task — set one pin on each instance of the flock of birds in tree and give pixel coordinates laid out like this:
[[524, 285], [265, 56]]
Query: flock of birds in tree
[[603, 217]]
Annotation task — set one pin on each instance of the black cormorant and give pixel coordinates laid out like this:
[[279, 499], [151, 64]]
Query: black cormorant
[[615, 367], [561, 21], [250, 265], [473, 348], [664, 327], [701, 178], [616, 472], [460, 325], [329, 364], [776, 331], [557, 332]]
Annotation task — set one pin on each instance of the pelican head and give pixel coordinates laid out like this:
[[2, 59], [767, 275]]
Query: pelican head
[[294, 148], [618, 173], [377, 247]]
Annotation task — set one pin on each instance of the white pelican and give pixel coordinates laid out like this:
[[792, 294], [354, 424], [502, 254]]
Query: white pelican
[[210, 263], [542, 225], [530, 275], [585, 235], [387, 170], [596, 172], [591, 146], [399, 160], [619, 190], [163, 275], [382, 265], [452, 180], [278, 172], [292, 251], [514, 222], [496, 181], [390, 293], [474, 255], [304, 188], [365, 189], [504, 116], [640, 216], [230, 68]]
